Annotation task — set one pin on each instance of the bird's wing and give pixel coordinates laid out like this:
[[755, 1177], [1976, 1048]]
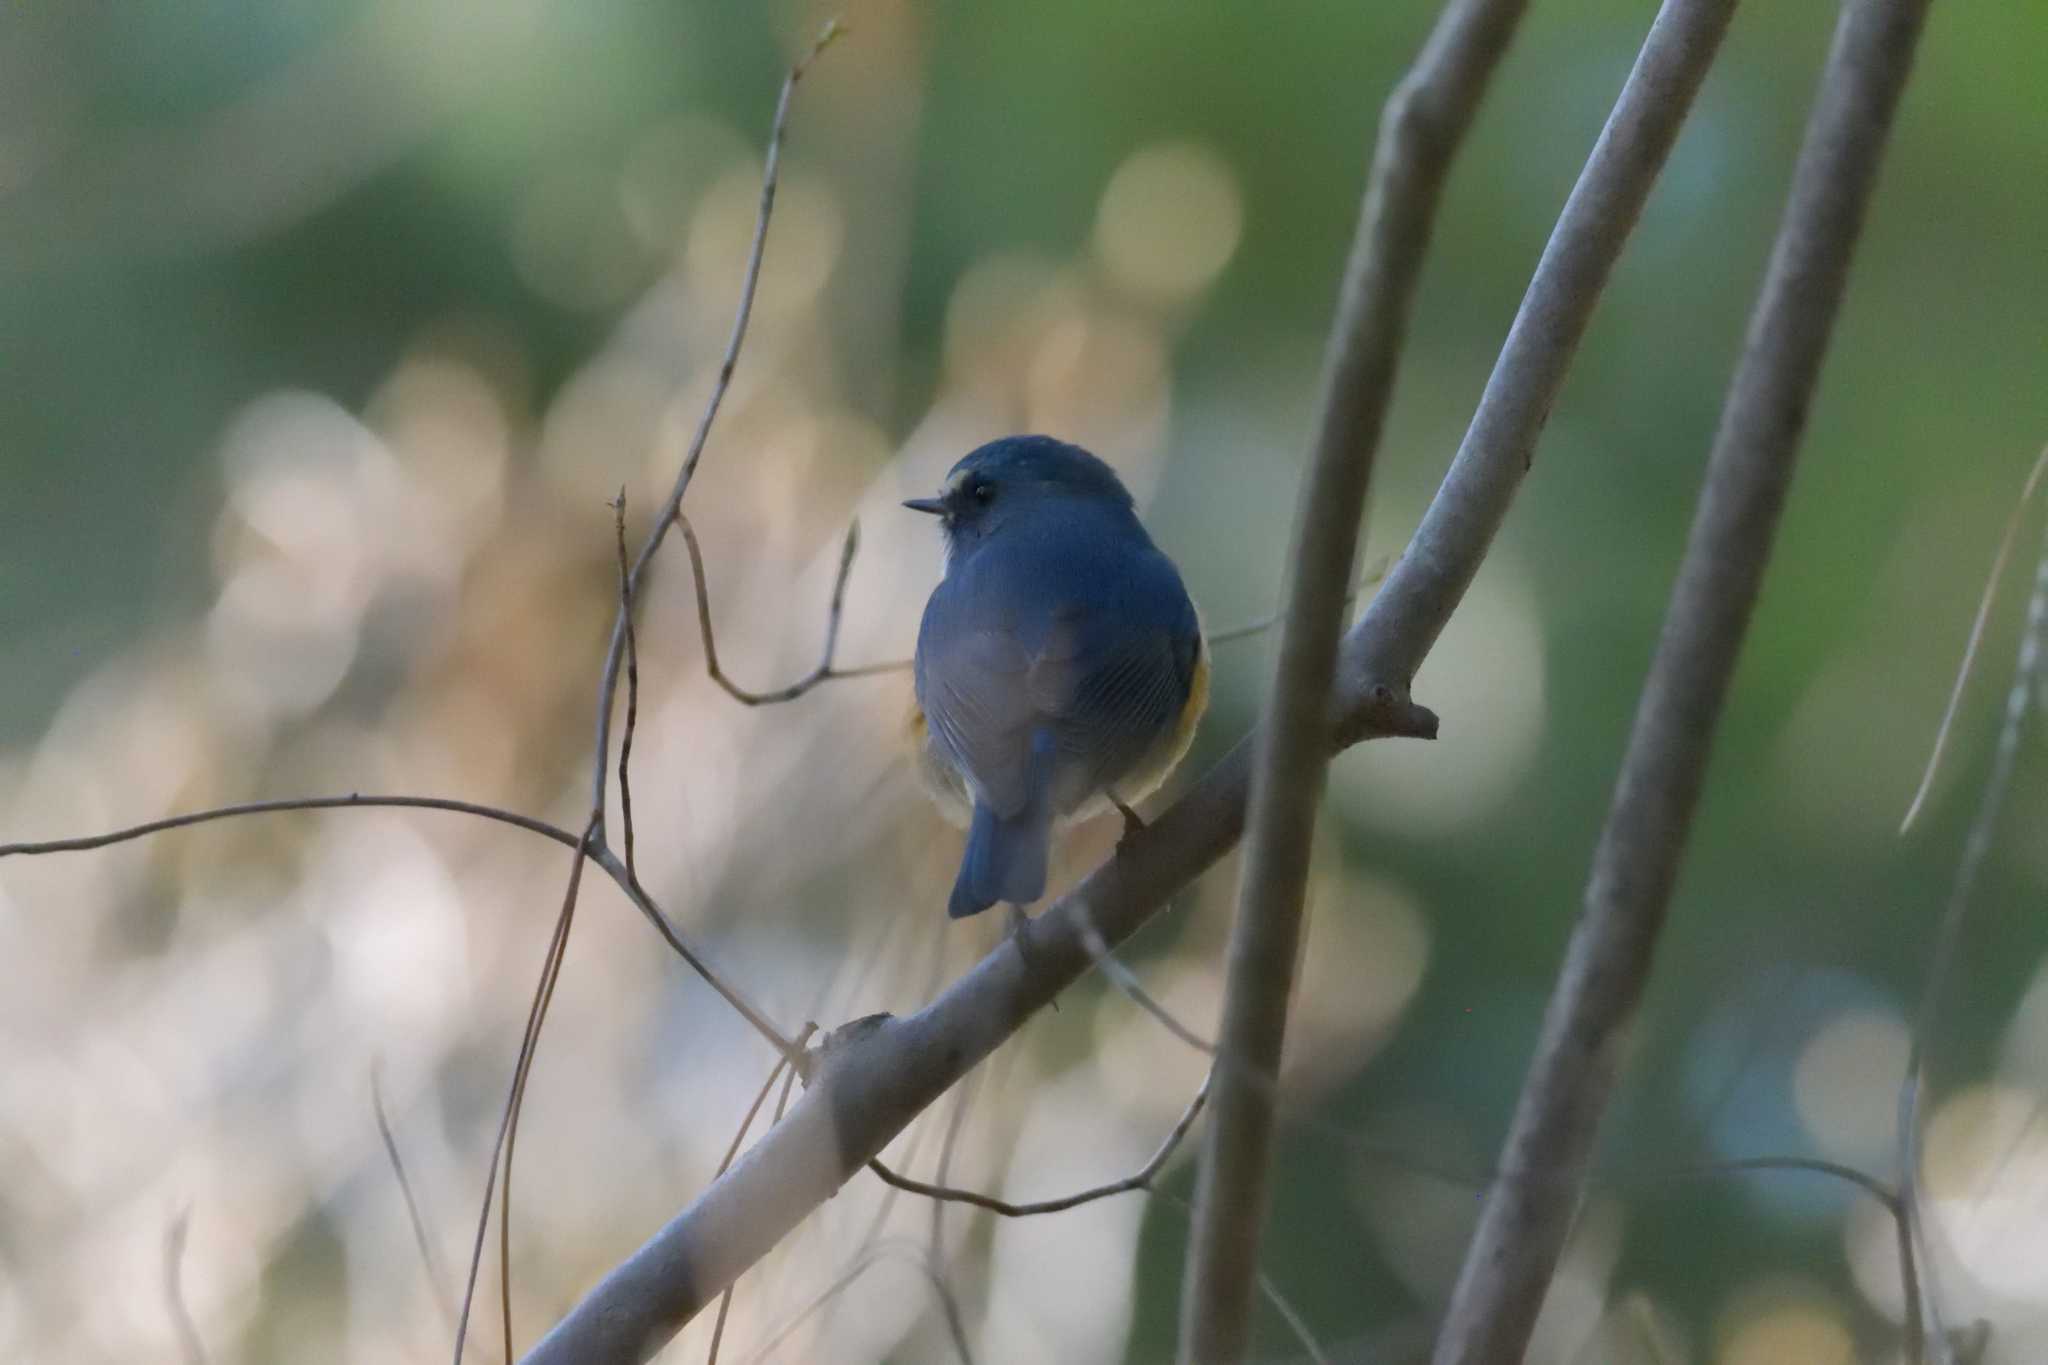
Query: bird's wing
[[1101, 669], [1110, 684], [974, 684]]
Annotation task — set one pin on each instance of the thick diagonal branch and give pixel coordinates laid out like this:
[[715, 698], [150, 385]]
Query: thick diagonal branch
[[1529, 1209]]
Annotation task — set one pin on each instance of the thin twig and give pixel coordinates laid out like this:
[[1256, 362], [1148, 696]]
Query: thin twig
[[616, 870], [782, 1065], [430, 1264], [1990, 595], [828, 670], [1126, 981], [1862, 1180], [499, 814], [963, 1099], [1528, 1212], [608, 862], [1373, 574], [891, 1249], [1421, 128], [824, 672], [1268, 1290], [501, 1147], [84, 843], [189, 1343], [1140, 1179], [1948, 935], [879, 1218], [771, 168], [632, 688]]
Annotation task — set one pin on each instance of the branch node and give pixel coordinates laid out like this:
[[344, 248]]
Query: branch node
[[831, 1049]]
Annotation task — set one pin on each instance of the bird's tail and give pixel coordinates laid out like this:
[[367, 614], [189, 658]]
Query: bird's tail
[[1006, 855]]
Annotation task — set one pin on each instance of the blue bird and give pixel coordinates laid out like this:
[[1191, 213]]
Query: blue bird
[[1060, 665]]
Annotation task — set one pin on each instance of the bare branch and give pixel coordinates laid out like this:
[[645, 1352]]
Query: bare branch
[[1140, 1179], [1529, 1209], [638, 894], [1268, 1290], [1126, 981], [87, 842], [1955, 696], [430, 1264], [632, 687], [781, 1070], [771, 168], [189, 1344], [894, 1249], [1374, 573], [536, 1015], [603, 857], [829, 671], [1948, 934], [1862, 1180], [824, 672]]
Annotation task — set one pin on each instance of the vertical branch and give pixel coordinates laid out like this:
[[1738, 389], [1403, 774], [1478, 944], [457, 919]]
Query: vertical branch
[[1542, 1171], [1421, 127]]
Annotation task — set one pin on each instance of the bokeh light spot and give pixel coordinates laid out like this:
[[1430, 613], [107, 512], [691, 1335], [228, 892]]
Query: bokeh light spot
[[1169, 221], [1846, 1081]]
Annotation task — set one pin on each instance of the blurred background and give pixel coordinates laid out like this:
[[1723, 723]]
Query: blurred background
[[327, 331]]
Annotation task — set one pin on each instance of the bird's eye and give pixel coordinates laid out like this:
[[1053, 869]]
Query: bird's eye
[[984, 493]]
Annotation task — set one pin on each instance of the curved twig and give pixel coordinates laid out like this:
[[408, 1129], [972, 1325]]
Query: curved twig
[[771, 169], [824, 672], [1140, 1179], [1969, 663], [632, 687], [603, 856], [86, 842], [189, 1344], [508, 1123], [430, 1264], [828, 668], [1948, 934], [889, 1249], [784, 1070]]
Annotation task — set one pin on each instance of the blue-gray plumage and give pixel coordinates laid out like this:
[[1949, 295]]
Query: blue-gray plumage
[[1060, 665]]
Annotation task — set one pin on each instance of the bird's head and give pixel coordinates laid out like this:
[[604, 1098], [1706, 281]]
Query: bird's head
[[996, 482]]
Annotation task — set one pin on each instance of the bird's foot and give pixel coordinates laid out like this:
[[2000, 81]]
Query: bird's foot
[[1134, 824]]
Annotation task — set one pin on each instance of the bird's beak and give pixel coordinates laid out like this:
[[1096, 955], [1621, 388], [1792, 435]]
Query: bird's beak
[[935, 506]]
